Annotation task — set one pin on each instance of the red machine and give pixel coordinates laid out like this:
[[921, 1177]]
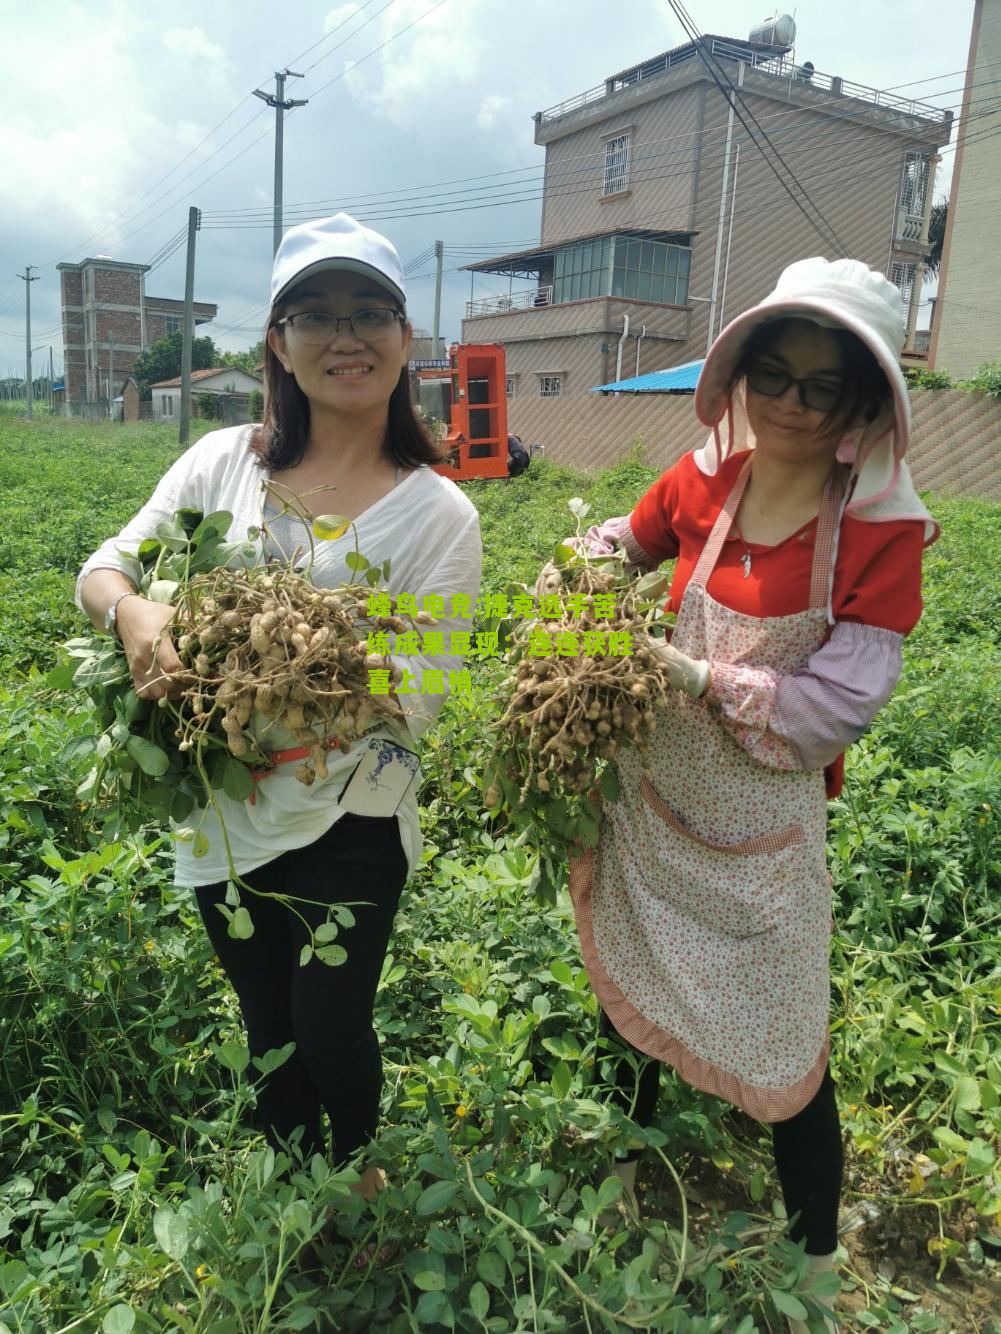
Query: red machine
[[477, 438]]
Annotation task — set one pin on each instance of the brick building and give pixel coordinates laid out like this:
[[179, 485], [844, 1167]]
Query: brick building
[[661, 220], [108, 320]]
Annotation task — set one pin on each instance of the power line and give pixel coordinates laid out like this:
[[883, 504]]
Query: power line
[[131, 208], [732, 96], [403, 208], [813, 136]]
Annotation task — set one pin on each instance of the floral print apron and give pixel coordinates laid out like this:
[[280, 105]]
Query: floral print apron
[[704, 912]]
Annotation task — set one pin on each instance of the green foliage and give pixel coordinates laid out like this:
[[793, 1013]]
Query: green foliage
[[135, 1196], [245, 361], [920, 379], [208, 406], [162, 360], [987, 380], [936, 236], [255, 405]]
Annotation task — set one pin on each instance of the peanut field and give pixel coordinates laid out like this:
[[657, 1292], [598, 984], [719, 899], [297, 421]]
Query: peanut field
[[133, 1195]]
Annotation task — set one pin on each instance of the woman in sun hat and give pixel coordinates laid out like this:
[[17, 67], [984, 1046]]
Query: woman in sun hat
[[338, 417], [705, 911]]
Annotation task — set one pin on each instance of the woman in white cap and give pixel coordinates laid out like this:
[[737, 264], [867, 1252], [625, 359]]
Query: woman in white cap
[[705, 911], [337, 416]]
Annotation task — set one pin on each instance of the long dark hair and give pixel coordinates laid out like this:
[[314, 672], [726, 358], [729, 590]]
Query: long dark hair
[[280, 441], [866, 388]]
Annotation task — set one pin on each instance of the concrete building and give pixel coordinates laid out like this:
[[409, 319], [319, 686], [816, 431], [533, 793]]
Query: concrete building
[[108, 320], [224, 382], [966, 330], [661, 219]]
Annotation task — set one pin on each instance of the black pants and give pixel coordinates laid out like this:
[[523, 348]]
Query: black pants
[[326, 1010], [808, 1149]]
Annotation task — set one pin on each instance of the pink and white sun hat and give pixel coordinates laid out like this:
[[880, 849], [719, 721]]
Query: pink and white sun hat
[[835, 293]]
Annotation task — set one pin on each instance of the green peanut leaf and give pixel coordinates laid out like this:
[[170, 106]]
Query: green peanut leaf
[[234, 1056], [236, 780], [788, 1304], [120, 1319], [171, 1232], [150, 758], [241, 926], [332, 954], [439, 1195]]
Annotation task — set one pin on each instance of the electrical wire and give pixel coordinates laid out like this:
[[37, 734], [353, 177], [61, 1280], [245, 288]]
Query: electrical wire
[[263, 111], [730, 93], [825, 177], [810, 140], [311, 208]]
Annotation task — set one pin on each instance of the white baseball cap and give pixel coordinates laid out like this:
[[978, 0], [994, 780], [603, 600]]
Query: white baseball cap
[[339, 242]]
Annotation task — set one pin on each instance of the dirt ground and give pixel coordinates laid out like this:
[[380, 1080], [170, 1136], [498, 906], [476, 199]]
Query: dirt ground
[[887, 1244]]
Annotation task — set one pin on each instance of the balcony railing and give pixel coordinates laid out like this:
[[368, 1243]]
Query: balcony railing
[[779, 66], [910, 227], [508, 301]]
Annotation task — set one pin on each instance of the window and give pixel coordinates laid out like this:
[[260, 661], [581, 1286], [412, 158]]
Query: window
[[167, 404], [550, 386], [616, 164], [581, 272], [914, 186], [902, 276], [512, 386], [651, 271], [173, 324]]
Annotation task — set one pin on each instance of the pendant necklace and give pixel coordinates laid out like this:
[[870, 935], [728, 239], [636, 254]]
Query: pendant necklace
[[746, 557]]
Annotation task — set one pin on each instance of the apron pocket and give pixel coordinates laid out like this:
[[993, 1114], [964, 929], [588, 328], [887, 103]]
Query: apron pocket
[[738, 889]]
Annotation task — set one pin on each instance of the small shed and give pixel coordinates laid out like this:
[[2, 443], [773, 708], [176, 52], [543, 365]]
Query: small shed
[[231, 386]]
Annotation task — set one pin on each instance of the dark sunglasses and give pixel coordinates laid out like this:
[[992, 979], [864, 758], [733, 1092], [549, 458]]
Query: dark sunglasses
[[821, 395]]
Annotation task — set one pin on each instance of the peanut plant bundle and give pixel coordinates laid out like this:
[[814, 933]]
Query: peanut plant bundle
[[566, 716], [269, 661], [265, 643]]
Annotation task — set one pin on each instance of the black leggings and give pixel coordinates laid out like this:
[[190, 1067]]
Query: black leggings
[[325, 1010], [808, 1149]]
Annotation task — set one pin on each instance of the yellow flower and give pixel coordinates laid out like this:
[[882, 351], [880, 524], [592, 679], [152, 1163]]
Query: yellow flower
[[462, 1110], [201, 1271], [64, 926], [149, 947]]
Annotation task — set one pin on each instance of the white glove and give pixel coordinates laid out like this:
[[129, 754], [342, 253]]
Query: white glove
[[692, 675], [549, 581]]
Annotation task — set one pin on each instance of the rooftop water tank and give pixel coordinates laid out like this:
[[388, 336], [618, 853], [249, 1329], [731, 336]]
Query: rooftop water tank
[[778, 32]]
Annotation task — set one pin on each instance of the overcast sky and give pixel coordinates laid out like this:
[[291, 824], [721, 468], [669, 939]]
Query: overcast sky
[[101, 101]]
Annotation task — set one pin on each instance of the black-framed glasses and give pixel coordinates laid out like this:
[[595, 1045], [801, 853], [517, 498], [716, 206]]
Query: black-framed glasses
[[320, 326], [821, 395]]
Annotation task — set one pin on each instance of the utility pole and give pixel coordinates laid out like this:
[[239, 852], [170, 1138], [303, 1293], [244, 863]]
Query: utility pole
[[111, 379], [439, 251], [27, 279], [194, 222], [281, 105], [52, 397]]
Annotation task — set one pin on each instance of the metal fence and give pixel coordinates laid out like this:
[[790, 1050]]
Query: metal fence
[[779, 66]]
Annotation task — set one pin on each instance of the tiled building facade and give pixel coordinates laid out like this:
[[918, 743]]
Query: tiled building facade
[[108, 320], [662, 220], [966, 330]]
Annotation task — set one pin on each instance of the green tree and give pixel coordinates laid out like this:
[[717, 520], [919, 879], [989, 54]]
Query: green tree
[[245, 361], [936, 235], [255, 405], [162, 361]]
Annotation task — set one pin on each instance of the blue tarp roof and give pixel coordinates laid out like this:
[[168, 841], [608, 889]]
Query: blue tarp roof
[[675, 380]]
